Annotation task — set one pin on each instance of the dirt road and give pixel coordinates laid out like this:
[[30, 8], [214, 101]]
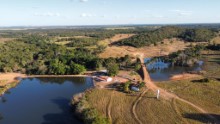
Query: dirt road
[[168, 95]]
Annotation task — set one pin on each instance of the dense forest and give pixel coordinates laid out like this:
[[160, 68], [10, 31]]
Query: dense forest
[[153, 37], [36, 55], [35, 51], [187, 57]]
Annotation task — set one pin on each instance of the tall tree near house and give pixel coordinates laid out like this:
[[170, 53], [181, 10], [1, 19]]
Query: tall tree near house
[[112, 68]]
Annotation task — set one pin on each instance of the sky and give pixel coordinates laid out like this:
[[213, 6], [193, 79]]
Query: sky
[[107, 12]]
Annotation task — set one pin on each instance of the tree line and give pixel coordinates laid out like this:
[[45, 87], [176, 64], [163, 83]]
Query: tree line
[[36, 55], [153, 37]]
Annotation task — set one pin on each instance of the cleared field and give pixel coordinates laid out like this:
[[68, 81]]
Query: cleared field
[[7, 78], [149, 51], [216, 40], [66, 42], [62, 42], [3, 40], [203, 94], [119, 106], [116, 38], [212, 64], [122, 28]]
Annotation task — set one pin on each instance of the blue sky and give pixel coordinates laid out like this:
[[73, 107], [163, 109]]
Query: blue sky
[[104, 12]]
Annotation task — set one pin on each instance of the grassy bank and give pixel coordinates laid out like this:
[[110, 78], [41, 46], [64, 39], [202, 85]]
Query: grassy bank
[[3, 89], [204, 94], [84, 111], [203, 91], [118, 107]]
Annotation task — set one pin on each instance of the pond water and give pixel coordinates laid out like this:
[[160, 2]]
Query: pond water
[[42, 101], [162, 71]]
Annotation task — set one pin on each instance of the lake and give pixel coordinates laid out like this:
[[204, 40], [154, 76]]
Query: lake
[[42, 101], [162, 71]]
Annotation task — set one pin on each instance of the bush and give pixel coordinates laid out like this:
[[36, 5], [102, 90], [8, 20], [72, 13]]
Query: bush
[[141, 85], [137, 66], [198, 35], [126, 86], [112, 68], [90, 115], [77, 68]]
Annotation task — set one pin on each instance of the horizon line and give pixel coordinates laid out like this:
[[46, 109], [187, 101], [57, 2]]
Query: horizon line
[[109, 25]]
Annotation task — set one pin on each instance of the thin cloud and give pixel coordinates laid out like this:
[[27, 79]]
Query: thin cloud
[[87, 15], [47, 14], [83, 1], [182, 12], [35, 7]]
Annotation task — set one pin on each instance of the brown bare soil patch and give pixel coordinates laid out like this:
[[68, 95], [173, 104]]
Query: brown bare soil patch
[[6, 78], [216, 40], [148, 51], [116, 38], [184, 76], [3, 40]]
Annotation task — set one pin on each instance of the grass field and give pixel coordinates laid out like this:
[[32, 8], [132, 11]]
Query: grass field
[[149, 109], [119, 106], [203, 94], [164, 48]]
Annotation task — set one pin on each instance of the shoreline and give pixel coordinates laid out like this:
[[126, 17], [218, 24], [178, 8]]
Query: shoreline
[[38, 76], [7, 79]]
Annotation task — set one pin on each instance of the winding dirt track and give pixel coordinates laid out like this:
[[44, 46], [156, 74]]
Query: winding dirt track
[[109, 108], [135, 104], [167, 95]]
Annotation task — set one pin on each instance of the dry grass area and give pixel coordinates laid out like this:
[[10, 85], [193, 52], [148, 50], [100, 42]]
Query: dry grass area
[[216, 40], [6, 78], [148, 51], [212, 64], [116, 38], [184, 76], [66, 42], [3, 40], [62, 42], [205, 95], [123, 28], [149, 109], [58, 38]]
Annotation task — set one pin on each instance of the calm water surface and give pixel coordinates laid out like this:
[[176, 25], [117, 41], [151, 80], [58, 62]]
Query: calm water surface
[[42, 101], [162, 71]]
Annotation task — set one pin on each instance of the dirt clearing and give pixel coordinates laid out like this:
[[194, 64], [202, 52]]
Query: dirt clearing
[[164, 48], [7, 78]]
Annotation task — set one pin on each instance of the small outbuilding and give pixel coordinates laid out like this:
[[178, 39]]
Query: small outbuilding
[[136, 89], [105, 79]]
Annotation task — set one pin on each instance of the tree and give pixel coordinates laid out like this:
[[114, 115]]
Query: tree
[[57, 67], [141, 85], [137, 66], [76, 68], [112, 68], [127, 60], [126, 86], [198, 35]]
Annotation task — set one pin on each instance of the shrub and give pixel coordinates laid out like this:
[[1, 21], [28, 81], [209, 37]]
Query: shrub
[[141, 85], [126, 86]]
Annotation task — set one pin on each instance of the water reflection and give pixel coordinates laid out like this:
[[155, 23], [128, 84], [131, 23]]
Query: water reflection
[[42, 101], [160, 70], [57, 80]]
